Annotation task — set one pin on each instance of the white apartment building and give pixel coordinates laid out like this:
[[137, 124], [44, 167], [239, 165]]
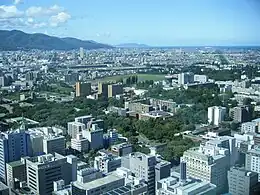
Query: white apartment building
[[248, 127], [216, 115], [75, 128], [80, 143]]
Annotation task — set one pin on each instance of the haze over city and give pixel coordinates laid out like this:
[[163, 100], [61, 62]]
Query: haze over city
[[153, 22]]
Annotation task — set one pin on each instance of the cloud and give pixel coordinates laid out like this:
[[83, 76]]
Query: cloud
[[58, 19], [10, 12], [16, 2], [42, 11]]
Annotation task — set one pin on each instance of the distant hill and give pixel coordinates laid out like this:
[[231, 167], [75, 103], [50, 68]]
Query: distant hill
[[15, 40], [132, 45]]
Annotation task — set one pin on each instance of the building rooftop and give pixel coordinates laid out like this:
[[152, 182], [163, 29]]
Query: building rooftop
[[98, 182], [15, 163]]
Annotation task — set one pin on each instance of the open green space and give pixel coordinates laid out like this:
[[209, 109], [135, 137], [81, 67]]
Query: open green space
[[141, 77]]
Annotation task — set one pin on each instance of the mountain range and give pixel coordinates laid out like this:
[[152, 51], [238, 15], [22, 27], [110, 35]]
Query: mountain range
[[16, 40]]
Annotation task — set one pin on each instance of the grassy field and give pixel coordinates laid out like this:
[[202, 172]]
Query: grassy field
[[141, 77]]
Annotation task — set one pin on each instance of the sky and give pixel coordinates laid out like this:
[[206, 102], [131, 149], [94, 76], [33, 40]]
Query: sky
[[151, 22]]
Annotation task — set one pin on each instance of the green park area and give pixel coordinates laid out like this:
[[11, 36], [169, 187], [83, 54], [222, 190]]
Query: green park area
[[141, 77]]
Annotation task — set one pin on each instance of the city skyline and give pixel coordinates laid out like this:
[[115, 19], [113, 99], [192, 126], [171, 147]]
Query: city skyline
[[164, 23]]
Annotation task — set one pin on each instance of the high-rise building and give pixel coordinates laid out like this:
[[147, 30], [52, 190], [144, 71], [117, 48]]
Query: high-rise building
[[72, 77], [54, 144], [13, 146], [103, 89], [115, 89], [16, 170], [210, 164], [253, 160], [200, 78], [84, 119], [29, 76], [83, 89], [185, 78], [94, 136], [81, 53], [122, 149], [75, 128], [143, 166], [242, 182], [241, 114], [216, 115], [43, 170], [106, 162], [249, 127], [113, 136], [3, 81], [80, 143]]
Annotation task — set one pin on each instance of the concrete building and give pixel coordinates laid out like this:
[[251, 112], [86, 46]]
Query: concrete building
[[103, 89], [174, 185], [54, 144], [145, 167], [122, 149], [106, 162], [114, 89], [4, 190], [80, 143], [248, 127], [242, 182], [13, 146], [253, 161], [185, 78], [59, 188], [83, 89], [113, 136], [216, 115], [16, 170], [200, 78], [241, 114], [155, 114], [164, 105], [43, 170], [84, 119], [72, 78], [86, 174], [99, 186], [138, 107], [75, 128], [209, 164], [95, 137], [81, 53]]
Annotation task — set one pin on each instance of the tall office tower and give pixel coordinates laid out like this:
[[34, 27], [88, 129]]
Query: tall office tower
[[241, 114], [95, 137], [83, 89], [3, 81], [185, 78], [75, 128], [242, 182], [29, 76], [43, 170], [216, 115], [143, 166], [210, 164], [13, 146], [253, 160], [16, 170], [106, 162], [113, 136], [162, 169], [115, 89], [103, 89], [81, 53], [72, 77], [80, 143], [54, 144], [183, 171]]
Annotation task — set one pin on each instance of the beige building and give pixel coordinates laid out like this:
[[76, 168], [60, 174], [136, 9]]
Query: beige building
[[103, 89]]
